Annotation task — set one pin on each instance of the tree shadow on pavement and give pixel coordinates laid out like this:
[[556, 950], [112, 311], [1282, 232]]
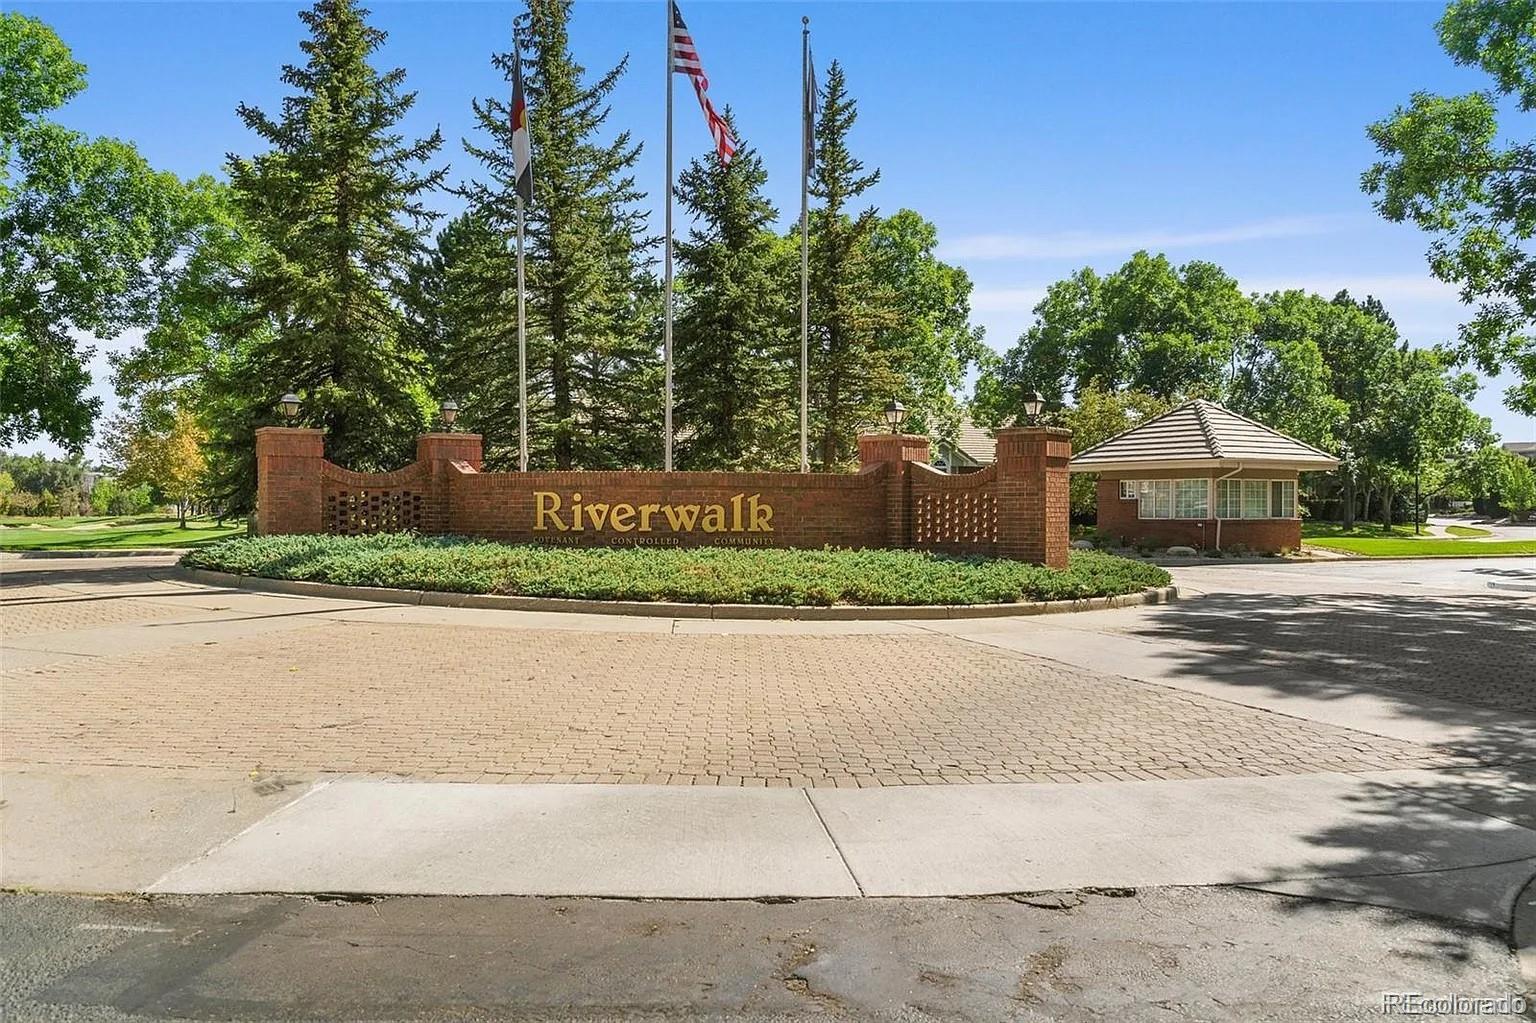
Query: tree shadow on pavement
[[1419, 652], [1463, 661]]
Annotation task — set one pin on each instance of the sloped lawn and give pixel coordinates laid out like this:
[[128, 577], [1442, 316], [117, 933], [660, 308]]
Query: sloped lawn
[[107, 533]]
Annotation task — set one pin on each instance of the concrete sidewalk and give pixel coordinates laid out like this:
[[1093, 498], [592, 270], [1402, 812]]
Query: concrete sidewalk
[[1454, 844]]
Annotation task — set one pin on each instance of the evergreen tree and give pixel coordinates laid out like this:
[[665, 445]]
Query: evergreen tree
[[338, 208], [735, 352], [852, 375], [592, 304], [465, 297]]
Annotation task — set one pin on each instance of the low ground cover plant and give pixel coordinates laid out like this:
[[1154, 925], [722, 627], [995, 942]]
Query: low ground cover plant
[[710, 575]]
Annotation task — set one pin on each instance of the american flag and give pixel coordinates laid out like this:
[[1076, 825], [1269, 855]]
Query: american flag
[[685, 59]]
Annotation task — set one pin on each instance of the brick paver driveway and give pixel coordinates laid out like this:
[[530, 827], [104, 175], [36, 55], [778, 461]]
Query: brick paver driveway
[[123, 668]]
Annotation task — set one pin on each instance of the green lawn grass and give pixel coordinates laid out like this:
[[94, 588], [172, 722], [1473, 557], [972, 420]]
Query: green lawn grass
[[1468, 531], [1312, 529], [1368, 540], [706, 575], [81, 532]]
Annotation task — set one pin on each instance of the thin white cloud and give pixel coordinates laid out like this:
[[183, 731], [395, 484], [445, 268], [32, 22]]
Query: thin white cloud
[[1006, 300], [1081, 244], [1403, 288]]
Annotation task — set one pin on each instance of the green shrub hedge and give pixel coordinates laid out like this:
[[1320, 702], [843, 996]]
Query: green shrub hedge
[[707, 575]]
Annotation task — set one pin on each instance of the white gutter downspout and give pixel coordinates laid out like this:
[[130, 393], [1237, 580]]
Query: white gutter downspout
[[1215, 507]]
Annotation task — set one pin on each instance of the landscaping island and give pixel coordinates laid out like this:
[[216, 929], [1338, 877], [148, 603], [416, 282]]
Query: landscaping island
[[701, 575]]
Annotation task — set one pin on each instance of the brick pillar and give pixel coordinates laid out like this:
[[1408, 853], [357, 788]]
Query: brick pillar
[[895, 450], [1034, 499], [437, 450], [288, 485]]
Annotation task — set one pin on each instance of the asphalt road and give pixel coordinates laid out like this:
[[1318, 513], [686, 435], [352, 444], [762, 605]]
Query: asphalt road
[[1213, 954]]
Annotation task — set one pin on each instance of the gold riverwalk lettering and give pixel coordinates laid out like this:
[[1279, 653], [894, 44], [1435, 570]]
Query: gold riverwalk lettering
[[743, 513]]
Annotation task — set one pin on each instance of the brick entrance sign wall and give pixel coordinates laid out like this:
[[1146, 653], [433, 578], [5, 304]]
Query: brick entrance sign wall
[[1015, 508]]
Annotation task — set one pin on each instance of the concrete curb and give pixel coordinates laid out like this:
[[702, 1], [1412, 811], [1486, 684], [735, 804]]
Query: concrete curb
[[661, 609], [1522, 933], [122, 552]]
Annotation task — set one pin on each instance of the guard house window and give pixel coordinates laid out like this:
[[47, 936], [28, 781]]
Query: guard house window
[[1191, 499], [1155, 500], [1282, 499], [1256, 499], [1171, 499]]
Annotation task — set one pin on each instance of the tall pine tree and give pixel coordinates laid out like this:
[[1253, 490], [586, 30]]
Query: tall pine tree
[[592, 303], [467, 316], [852, 374], [734, 348], [337, 207]]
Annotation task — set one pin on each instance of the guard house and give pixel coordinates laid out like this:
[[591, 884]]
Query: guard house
[[1201, 476]]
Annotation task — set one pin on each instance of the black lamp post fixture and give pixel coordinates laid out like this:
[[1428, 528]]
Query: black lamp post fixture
[[449, 410], [1033, 404], [288, 404], [895, 414]]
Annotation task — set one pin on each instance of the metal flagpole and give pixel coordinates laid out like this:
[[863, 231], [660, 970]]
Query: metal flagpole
[[522, 352], [666, 342], [805, 240]]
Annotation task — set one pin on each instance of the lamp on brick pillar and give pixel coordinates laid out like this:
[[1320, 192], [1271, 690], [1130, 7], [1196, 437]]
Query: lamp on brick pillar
[[1034, 494], [1034, 404], [895, 451]]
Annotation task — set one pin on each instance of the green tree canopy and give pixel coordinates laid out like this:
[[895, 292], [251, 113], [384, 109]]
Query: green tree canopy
[[1459, 169], [86, 229], [851, 375], [1149, 326], [929, 340], [337, 211], [593, 361], [1280, 376], [734, 345]]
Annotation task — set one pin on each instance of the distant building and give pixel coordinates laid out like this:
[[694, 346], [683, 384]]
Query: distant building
[[974, 448], [1526, 449]]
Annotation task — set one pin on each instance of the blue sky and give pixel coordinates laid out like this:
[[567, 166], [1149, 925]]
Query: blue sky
[[1038, 137]]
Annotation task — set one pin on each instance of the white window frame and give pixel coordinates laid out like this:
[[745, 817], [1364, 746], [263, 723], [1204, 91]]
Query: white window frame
[[1242, 497], [1156, 495], [1186, 490], [1158, 500], [1276, 499]]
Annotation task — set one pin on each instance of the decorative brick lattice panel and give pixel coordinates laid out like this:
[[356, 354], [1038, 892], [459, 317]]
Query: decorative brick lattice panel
[[385, 502], [957, 513], [355, 512]]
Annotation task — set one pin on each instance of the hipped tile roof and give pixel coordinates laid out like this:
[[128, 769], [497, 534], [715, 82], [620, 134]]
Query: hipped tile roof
[[1201, 431]]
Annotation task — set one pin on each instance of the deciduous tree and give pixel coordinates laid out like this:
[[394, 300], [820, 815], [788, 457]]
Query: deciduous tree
[[1465, 171], [86, 227], [171, 461]]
